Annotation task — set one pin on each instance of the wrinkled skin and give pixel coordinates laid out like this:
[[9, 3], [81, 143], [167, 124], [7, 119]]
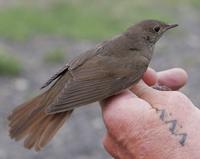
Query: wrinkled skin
[[136, 129]]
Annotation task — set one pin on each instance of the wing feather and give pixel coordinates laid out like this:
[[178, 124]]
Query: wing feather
[[81, 93], [97, 78]]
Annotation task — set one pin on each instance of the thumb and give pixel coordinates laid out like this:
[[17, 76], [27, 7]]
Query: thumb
[[142, 90]]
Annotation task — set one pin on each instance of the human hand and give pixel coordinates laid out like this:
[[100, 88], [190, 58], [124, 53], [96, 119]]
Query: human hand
[[150, 124]]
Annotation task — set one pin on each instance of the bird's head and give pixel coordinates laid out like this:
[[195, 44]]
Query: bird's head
[[150, 30]]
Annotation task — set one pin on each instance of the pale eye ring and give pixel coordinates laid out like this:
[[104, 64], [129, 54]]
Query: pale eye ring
[[156, 29]]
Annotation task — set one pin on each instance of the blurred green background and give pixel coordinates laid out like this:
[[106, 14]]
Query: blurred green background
[[39, 36], [85, 19]]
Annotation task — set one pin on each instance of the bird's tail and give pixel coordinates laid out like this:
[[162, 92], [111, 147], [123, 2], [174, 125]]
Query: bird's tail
[[30, 120]]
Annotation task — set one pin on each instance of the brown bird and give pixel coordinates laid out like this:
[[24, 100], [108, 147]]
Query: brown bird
[[98, 73]]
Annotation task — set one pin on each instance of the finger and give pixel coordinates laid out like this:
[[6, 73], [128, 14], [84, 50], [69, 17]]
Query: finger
[[115, 149], [150, 77], [120, 112], [142, 90], [173, 78], [111, 146], [149, 94], [126, 95]]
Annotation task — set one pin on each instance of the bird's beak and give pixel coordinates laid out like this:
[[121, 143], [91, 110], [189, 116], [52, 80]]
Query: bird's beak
[[170, 26]]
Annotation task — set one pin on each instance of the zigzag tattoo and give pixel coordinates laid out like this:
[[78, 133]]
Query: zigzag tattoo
[[172, 126]]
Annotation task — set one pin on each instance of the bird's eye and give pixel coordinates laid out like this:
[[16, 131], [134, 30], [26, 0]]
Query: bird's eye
[[156, 29]]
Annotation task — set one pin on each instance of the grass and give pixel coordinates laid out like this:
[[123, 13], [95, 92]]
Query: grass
[[55, 56], [192, 3], [80, 19], [86, 20], [9, 65]]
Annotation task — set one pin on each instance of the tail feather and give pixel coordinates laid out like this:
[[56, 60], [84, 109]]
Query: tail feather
[[21, 110], [23, 125], [31, 122], [43, 133], [32, 138], [52, 128]]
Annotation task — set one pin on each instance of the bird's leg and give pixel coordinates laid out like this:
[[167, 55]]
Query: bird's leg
[[161, 87]]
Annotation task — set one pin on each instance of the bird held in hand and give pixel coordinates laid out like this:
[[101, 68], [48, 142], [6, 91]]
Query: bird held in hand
[[103, 71]]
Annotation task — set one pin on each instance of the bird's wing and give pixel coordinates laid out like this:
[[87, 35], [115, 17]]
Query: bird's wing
[[56, 76], [96, 78], [88, 84], [76, 62]]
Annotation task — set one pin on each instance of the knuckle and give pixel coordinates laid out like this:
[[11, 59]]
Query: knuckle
[[176, 95], [108, 145]]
